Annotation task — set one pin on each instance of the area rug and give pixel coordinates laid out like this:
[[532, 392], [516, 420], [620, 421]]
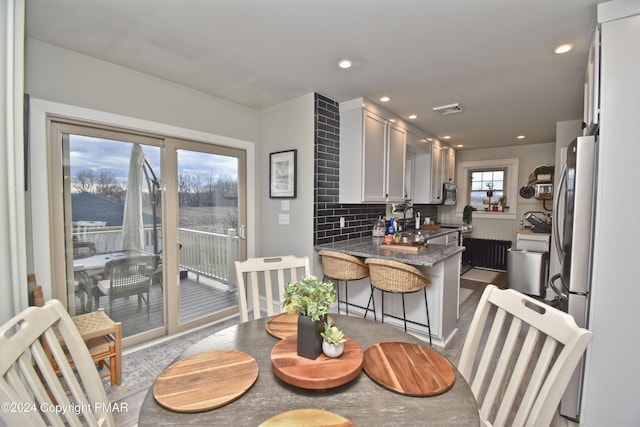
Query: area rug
[[485, 276], [140, 368]]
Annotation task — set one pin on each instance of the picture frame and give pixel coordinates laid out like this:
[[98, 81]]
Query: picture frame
[[283, 174]]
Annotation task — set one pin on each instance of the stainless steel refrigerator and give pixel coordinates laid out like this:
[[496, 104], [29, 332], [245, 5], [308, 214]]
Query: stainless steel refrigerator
[[574, 226]]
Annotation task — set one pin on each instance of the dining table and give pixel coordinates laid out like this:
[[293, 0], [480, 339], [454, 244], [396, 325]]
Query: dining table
[[361, 400]]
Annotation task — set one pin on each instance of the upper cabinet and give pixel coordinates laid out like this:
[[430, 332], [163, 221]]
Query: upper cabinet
[[384, 159], [372, 158], [592, 86]]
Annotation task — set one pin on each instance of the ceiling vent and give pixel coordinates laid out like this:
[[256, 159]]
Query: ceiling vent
[[448, 109]]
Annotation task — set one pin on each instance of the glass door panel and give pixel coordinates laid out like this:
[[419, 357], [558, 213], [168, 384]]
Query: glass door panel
[[113, 224], [210, 213]]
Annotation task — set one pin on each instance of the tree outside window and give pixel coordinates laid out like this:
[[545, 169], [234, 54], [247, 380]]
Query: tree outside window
[[487, 187]]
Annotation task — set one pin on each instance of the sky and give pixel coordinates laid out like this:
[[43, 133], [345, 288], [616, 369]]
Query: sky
[[113, 156]]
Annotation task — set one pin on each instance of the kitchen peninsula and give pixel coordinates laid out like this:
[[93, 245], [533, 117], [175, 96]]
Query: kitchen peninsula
[[440, 262]]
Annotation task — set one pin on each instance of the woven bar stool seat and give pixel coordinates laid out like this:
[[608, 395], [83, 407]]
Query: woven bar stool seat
[[339, 266], [399, 278]]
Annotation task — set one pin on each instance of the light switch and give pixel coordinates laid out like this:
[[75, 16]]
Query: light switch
[[283, 219]]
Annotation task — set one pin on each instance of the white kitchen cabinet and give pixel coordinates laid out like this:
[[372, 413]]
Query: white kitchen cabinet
[[449, 165], [422, 177], [450, 239], [437, 169], [372, 158]]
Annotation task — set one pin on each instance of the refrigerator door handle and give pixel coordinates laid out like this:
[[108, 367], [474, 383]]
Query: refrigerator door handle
[[556, 207]]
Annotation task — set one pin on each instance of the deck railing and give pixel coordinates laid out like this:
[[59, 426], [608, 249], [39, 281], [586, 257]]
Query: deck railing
[[209, 254]]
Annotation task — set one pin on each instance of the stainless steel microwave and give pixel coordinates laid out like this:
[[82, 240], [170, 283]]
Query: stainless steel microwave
[[449, 193]]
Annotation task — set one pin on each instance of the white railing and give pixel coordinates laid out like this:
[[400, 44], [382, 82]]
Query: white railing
[[209, 254]]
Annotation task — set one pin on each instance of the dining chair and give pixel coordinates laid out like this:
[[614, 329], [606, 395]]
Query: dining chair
[[345, 267], [101, 335], [518, 357], [127, 277], [261, 273], [399, 278], [29, 381]]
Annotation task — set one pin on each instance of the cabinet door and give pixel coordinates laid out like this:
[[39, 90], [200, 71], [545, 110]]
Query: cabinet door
[[397, 149], [422, 177], [450, 165], [374, 179], [436, 173]]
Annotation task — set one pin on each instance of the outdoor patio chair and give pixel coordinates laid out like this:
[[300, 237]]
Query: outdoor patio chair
[[29, 380], [127, 277], [518, 357], [260, 273]]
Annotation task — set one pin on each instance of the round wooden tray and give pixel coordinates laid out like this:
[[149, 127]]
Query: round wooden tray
[[409, 369], [284, 324], [205, 381], [307, 418], [319, 374]]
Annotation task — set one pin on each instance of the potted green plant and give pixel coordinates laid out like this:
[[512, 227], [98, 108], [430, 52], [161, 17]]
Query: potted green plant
[[333, 340], [490, 190], [311, 299]]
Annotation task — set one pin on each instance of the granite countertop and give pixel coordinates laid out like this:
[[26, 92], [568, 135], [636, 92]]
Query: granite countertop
[[368, 247]]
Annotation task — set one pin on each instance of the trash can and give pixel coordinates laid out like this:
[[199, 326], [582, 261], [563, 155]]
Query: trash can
[[527, 271]]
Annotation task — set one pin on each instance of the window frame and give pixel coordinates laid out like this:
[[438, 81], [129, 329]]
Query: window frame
[[510, 166]]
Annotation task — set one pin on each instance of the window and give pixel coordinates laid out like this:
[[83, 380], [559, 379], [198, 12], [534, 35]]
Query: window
[[473, 177], [487, 188]]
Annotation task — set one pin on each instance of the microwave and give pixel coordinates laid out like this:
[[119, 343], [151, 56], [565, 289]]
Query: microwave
[[449, 193]]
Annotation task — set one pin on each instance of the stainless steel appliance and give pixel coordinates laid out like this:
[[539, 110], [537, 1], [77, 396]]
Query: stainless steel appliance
[[527, 271], [573, 234], [449, 193]]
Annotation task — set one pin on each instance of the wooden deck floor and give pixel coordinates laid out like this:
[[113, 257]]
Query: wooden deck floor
[[198, 297]]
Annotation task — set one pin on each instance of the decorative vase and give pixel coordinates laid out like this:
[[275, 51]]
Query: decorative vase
[[309, 338], [332, 350]]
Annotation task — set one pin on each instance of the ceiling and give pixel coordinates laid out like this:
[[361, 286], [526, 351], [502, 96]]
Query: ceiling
[[494, 57]]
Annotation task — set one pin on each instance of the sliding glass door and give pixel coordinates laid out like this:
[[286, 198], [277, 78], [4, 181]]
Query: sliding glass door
[[149, 227]]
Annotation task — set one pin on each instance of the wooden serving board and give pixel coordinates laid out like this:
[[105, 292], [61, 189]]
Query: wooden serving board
[[403, 247], [319, 374], [284, 324], [307, 418], [409, 369], [205, 381]]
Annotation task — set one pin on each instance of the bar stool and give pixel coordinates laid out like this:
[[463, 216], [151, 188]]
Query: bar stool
[[399, 278], [339, 266]]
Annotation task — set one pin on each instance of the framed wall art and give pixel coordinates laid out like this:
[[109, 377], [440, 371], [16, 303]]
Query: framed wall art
[[282, 174]]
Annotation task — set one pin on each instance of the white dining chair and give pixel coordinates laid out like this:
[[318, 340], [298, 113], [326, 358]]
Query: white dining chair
[[30, 383], [255, 274], [518, 357]]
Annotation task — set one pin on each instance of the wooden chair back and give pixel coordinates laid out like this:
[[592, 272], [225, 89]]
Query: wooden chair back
[[519, 356], [260, 273], [29, 380], [127, 277]]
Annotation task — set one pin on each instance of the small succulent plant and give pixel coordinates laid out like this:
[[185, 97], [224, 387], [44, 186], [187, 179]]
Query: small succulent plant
[[332, 334]]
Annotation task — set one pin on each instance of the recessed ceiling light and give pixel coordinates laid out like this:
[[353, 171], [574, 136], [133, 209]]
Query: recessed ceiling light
[[430, 139], [385, 99], [459, 145], [563, 48], [344, 64], [446, 137], [413, 116], [520, 136]]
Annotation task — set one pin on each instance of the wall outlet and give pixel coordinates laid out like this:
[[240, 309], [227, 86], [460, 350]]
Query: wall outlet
[[341, 222], [283, 219]]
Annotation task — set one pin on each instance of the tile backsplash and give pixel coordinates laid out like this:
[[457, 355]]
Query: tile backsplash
[[358, 218]]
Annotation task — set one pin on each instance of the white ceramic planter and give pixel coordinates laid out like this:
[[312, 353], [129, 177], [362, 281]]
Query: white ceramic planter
[[332, 350]]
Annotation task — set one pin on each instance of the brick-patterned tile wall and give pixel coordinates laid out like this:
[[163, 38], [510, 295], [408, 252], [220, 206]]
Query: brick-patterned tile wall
[[327, 210]]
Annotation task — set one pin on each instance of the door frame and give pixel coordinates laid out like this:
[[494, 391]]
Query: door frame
[[40, 198]]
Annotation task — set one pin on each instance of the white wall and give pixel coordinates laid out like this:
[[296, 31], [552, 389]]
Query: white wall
[[613, 372], [287, 126], [529, 157], [83, 87]]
